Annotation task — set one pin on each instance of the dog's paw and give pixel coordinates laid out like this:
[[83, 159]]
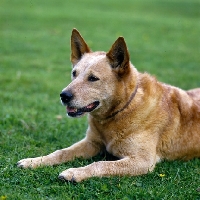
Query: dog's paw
[[67, 176], [30, 162], [74, 175]]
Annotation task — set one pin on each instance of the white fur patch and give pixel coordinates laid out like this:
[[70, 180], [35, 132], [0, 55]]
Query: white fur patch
[[94, 59], [89, 60]]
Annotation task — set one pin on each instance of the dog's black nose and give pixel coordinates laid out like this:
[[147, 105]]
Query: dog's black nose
[[66, 96]]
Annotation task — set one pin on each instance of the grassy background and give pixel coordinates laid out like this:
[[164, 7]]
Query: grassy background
[[163, 39]]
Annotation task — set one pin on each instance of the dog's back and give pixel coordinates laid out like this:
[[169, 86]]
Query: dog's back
[[180, 139], [195, 94]]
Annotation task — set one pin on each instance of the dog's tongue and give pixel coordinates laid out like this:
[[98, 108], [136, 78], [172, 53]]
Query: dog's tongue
[[90, 106], [84, 109], [72, 110]]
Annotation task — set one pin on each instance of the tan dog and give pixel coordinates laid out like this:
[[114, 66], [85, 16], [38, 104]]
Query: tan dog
[[131, 115]]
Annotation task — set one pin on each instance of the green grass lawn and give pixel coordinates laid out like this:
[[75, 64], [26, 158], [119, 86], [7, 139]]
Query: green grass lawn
[[163, 37]]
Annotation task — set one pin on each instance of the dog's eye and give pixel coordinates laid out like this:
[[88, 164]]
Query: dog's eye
[[92, 78], [74, 73]]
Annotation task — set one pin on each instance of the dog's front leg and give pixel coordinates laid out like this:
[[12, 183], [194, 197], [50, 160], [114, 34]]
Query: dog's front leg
[[126, 166], [84, 148]]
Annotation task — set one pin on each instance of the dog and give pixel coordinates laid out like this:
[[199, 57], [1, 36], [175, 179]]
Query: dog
[[131, 115]]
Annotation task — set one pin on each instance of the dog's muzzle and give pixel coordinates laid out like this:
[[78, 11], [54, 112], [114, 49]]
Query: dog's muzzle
[[67, 96]]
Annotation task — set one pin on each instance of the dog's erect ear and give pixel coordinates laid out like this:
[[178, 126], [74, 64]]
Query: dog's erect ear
[[119, 57], [78, 46]]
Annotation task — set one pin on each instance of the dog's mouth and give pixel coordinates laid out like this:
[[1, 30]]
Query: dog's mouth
[[75, 112]]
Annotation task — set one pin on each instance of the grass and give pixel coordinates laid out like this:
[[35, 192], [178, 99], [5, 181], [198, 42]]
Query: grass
[[163, 39]]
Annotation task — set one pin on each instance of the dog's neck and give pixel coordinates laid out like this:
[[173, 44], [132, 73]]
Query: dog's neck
[[126, 105]]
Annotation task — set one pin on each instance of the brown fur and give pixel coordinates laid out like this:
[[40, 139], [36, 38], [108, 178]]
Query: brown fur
[[139, 120]]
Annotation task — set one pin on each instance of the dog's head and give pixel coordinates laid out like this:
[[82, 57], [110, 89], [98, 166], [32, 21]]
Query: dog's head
[[100, 81]]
